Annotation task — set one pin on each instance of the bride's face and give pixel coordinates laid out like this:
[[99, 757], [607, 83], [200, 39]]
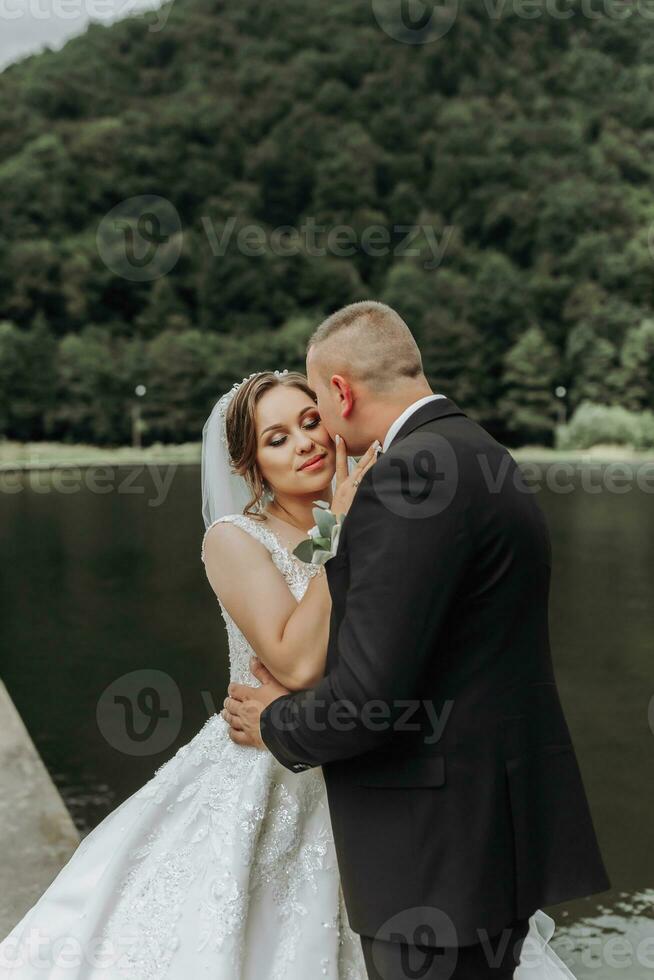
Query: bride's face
[[294, 451]]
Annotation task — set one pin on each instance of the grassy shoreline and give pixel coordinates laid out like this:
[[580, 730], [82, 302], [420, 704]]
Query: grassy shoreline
[[25, 456], [596, 454], [58, 455]]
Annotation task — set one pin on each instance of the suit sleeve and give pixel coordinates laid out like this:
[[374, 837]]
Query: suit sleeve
[[406, 554]]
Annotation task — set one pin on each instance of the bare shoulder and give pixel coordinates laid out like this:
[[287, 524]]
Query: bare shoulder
[[231, 545], [240, 570]]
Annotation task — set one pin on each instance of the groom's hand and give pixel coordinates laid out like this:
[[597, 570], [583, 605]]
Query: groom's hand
[[244, 704]]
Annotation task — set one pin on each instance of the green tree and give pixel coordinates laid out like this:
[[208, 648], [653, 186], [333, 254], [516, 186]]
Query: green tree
[[34, 274], [345, 176], [590, 362], [165, 310], [453, 361], [181, 382], [12, 374], [528, 406], [412, 292], [636, 374], [93, 390], [27, 379], [308, 112]]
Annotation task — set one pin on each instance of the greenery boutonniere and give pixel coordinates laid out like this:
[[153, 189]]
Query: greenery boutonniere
[[322, 543]]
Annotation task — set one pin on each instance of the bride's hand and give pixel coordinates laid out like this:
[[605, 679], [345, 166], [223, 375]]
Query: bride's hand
[[347, 484]]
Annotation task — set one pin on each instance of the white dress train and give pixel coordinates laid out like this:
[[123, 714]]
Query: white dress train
[[221, 867]]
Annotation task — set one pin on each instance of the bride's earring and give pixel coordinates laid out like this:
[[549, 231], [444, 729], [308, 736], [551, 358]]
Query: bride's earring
[[266, 497]]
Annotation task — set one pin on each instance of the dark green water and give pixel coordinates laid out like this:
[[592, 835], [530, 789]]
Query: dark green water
[[97, 585]]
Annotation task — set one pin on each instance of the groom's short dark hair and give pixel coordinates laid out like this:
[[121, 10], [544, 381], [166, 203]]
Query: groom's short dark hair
[[372, 340]]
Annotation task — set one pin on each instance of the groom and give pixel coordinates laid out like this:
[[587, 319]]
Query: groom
[[456, 801]]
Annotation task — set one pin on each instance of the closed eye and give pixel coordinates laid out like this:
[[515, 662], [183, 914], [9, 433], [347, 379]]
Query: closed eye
[[309, 424]]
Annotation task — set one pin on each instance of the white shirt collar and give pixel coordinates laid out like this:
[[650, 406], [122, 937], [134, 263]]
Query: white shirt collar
[[401, 419]]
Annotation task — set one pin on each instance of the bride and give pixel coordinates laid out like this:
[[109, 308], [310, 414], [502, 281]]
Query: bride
[[223, 864]]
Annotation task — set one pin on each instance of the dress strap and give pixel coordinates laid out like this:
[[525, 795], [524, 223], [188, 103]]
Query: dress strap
[[251, 527]]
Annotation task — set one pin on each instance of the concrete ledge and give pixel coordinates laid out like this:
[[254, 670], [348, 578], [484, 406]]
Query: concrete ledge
[[37, 834]]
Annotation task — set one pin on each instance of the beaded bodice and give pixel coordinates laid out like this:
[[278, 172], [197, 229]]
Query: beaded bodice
[[297, 575]]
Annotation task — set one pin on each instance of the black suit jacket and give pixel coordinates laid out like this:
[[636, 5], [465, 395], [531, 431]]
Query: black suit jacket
[[451, 777]]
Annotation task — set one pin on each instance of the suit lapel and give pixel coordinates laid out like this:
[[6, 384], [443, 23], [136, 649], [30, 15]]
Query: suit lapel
[[439, 408]]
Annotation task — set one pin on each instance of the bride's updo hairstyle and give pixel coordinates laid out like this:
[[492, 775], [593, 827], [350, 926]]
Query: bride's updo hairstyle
[[241, 432]]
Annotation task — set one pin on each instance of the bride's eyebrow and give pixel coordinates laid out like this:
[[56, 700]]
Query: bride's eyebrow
[[278, 425]]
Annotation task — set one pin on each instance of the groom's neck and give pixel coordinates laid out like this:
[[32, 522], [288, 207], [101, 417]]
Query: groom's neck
[[385, 409]]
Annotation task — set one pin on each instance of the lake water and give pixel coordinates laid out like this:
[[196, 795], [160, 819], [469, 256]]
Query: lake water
[[108, 622]]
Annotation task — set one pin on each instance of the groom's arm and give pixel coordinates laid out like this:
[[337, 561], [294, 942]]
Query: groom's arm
[[405, 562]]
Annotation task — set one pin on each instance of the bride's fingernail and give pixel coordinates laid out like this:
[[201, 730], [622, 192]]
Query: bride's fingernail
[[337, 439]]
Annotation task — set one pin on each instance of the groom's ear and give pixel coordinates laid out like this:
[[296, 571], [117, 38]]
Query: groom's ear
[[344, 393]]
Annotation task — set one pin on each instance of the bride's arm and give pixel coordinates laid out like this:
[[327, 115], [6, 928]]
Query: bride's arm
[[289, 637]]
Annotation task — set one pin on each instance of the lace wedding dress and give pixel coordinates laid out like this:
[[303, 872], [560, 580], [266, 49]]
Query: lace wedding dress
[[222, 866]]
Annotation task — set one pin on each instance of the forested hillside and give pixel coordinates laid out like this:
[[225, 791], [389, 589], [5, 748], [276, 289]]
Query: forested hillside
[[525, 146]]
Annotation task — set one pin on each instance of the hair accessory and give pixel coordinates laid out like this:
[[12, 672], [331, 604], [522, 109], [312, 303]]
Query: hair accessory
[[225, 401]]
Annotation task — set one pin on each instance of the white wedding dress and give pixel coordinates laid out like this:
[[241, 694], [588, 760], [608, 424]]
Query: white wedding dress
[[221, 867]]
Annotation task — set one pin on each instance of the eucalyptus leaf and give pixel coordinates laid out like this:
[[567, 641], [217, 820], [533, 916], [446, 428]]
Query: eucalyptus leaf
[[325, 521], [304, 551]]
